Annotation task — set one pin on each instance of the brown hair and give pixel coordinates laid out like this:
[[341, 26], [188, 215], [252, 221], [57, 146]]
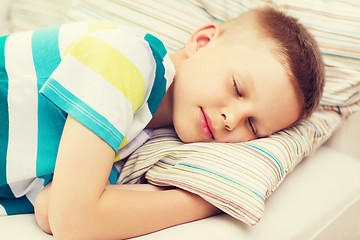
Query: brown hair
[[298, 51]]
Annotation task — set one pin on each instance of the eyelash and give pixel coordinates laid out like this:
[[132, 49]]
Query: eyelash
[[238, 93], [253, 130], [237, 89]]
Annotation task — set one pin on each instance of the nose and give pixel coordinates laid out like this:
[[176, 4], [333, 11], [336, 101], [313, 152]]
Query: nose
[[233, 117]]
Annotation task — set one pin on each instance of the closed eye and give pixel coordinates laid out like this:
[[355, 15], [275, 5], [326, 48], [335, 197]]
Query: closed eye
[[236, 88], [252, 127]]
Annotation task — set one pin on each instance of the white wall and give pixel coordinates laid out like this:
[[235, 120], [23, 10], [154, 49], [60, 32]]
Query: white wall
[[347, 138]]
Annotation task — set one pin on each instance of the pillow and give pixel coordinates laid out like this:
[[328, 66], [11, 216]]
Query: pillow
[[235, 177], [4, 17], [32, 14], [172, 21]]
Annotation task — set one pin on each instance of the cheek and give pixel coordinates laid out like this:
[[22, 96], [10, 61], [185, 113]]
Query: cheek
[[181, 120], [238, 135], [183, 130]]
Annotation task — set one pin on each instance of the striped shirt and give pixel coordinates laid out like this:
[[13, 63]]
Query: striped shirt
[[108, 77]]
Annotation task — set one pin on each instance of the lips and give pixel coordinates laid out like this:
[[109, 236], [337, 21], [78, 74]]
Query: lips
[[205, 125]]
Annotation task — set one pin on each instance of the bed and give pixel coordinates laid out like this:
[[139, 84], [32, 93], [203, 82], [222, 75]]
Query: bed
[[318, 194]]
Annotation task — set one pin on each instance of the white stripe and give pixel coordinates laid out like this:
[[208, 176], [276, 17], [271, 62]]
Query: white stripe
[[134, 48], [34, 189], [22, 98], [141, 118], [2, 211], [137, 142], [21, 187], [169, 70], [95, 91], [69, 32]]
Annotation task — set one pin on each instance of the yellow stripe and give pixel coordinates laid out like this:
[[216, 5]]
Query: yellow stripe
[[123, 143], [111, 65], [101, 25], [94, 27], [117, 158]]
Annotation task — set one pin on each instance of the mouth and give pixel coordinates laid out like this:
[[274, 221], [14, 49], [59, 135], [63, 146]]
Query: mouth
[[205, 125]]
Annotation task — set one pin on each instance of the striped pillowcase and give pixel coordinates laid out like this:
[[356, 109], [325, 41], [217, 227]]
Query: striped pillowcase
[[172, 21], [237, 178], [33, 14]]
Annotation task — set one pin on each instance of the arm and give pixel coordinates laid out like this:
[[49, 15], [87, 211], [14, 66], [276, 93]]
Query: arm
[[81, 207], [41, 205]]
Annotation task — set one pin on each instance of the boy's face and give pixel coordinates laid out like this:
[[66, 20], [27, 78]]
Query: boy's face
[[226, 93]]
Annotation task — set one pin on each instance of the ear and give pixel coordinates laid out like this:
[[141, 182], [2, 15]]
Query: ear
[[202, 37]]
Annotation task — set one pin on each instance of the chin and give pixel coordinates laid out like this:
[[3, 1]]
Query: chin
[[184, 136], [187, 134], [185, 139], [191, 139]]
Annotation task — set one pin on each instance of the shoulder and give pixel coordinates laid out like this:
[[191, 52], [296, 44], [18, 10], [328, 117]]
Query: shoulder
[[105, 34]]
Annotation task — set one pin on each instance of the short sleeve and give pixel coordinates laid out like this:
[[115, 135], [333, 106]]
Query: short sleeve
[[102, 80]]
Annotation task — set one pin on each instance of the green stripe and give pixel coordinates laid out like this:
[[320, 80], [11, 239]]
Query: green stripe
[[46, 57], [159, 87], [17, 205], [4, 121]]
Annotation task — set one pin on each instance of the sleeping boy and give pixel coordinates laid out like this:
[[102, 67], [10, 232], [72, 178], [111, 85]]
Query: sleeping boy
[[83, 94]]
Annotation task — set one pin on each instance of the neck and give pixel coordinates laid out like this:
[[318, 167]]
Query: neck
[[163, 115]]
